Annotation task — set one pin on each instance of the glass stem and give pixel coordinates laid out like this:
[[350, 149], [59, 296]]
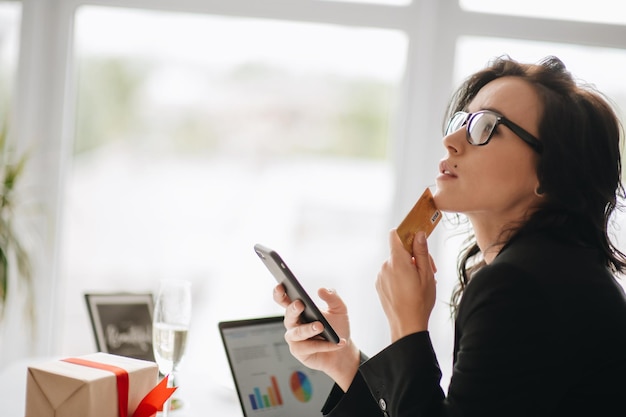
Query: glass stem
[[168, 404]]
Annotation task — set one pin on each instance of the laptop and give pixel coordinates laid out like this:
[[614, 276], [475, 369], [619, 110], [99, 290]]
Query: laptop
[[269, 381]]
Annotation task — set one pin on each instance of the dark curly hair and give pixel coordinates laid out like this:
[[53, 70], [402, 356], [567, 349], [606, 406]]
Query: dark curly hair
[[579, 170]]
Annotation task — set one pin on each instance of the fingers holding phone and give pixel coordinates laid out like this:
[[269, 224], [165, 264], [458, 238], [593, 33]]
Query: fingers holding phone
[[338, 360], [294, 310], [313, 335], [294, 290], [280, 296]]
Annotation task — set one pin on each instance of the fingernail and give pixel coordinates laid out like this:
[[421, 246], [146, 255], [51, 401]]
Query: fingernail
[[421, 237], [314, 327]]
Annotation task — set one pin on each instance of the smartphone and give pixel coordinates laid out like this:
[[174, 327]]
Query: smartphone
[[283, 275]]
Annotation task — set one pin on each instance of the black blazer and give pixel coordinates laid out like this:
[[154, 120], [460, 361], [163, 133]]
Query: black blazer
[[541, 331]]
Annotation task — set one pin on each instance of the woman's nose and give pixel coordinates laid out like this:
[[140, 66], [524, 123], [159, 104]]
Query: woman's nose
[[454, 141]]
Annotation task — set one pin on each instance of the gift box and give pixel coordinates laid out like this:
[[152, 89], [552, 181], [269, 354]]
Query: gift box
[[96, 385]]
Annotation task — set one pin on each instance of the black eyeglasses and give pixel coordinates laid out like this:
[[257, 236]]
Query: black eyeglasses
[[481, 125]]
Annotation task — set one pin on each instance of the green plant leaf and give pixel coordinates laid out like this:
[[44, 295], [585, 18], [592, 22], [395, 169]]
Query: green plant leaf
[[11, 247], [4, 281]]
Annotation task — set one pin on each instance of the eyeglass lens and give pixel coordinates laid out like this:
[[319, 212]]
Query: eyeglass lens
[[455, 123], [480, 125]]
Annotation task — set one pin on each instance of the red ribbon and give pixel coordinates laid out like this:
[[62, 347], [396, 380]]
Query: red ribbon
[[148, 406], [155, 399]]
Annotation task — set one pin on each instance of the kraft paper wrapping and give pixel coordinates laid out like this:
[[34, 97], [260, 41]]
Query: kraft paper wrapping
[[61, 389]]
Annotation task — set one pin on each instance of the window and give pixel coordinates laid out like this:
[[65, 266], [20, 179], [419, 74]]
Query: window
[[9, 45], [601, 11], [604, 67], [386, 2], [199, 136], [225, 124]]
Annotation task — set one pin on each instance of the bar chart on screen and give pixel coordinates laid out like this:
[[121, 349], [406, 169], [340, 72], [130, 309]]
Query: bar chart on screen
[[270, 397]]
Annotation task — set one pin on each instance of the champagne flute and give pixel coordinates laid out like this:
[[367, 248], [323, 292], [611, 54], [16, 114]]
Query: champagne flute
[[172, 316]]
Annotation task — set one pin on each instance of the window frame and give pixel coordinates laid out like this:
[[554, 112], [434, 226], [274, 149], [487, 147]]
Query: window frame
[[45, 97]]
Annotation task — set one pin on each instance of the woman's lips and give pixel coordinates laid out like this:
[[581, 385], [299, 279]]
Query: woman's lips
[[446, 170]]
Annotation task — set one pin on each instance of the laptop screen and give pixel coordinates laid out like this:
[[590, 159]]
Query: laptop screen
[[269, 381]]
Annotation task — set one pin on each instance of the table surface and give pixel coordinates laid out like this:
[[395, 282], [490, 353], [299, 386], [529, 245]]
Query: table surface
[[199, 399]]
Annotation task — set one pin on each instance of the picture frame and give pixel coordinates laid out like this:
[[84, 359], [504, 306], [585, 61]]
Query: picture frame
[[122, 323]]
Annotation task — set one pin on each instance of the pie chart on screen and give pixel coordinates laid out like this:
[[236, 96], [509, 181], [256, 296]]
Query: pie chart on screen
[[301, 386]]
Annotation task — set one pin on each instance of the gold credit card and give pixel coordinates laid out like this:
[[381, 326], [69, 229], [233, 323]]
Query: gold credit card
[[424, 216]]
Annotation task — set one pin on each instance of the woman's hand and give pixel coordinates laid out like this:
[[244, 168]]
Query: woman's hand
[[340, 361], [406, 286]]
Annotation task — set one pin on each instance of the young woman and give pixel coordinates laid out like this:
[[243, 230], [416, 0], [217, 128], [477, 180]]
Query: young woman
[[533, 161]]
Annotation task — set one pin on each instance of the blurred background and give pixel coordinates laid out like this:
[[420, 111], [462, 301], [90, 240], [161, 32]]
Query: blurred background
[[165, 138]]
